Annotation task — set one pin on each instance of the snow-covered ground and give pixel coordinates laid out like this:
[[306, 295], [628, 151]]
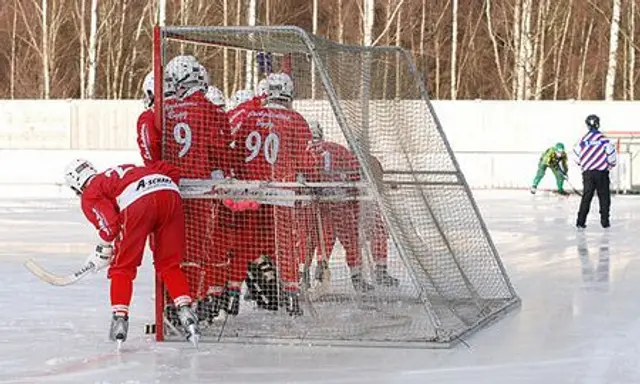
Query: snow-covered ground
[[579, 321]]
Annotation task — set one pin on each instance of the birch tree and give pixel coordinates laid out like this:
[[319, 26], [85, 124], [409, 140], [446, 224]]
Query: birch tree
[[614, 29], [631, 57], [250, 80], [454, 47], [162, 12], [368, 19], [12, 60], [45, 51], [93, 51], [314, 30], [494, 44]]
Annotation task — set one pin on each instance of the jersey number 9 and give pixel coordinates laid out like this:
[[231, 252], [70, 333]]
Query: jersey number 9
[[270, 146], [182, 135]]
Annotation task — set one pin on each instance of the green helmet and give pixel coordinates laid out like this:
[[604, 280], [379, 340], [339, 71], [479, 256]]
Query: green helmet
[[559, 147]]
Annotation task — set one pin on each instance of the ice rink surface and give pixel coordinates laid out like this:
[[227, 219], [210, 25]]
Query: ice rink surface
[[579, 321]]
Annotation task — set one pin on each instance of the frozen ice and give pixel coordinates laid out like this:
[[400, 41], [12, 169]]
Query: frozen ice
[[579, 321]]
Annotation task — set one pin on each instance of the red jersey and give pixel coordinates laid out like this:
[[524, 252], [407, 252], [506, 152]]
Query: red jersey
[[273, 140], [149, 137], [110, 192], [239, 113], [330, 162], [198, 139]]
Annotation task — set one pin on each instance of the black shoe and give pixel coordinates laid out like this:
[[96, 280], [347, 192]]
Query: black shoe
[[292, 302], [359, 284], [581, 226], [209, 307], [563, 193], [384, 278], [605, 224]]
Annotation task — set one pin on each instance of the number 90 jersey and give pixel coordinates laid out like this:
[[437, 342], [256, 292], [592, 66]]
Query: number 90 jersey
[[274, 140], [197, 138]]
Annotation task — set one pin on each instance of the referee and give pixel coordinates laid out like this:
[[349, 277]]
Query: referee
[[596, 156]]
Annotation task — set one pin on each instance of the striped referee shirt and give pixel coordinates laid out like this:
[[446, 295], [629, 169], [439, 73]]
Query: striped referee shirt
[[594, 152]]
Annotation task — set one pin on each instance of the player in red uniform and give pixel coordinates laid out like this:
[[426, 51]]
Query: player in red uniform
[[199, 144], [126, 204], [332, 162], [273, 138]]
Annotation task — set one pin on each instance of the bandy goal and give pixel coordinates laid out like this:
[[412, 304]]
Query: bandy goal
[[323, 203]]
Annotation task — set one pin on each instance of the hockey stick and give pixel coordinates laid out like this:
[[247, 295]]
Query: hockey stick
[[58, 280], [566, 178]]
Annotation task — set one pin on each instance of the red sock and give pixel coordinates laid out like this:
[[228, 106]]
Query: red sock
[[121, 292], [177, 285]]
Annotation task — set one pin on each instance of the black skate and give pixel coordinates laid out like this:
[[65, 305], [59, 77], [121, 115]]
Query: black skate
[[119, 328], [229, 305], [292, 303], [359, 284], [384, 278], [189, 322], [208, 308], [262, 283]]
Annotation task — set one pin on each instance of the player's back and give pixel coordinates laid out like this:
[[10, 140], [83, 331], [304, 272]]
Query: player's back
[[113, 182], [334, 162], [197, 133], [274, 142]]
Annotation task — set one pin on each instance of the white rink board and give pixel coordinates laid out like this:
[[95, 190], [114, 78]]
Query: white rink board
[[578, 322], [497, 143]]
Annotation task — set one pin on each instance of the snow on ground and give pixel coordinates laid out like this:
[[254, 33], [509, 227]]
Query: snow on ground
[[579, 321]]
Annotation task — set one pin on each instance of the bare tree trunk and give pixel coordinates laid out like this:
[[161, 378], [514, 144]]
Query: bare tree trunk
[[46, 81], [314, 30], [340, 23], [398, 44], [162, 12], [436, 42], [565, 29], [631, 59], [83, 47], [249, 67], [368, 19], [93, 49], [134, 52], [225, 51], [610, 82], [583, 63], [12, 78], [517, 42], [454, 47], [540, 47], [494, 43], [237, 70], [117, 77], [423, 26], [526, 53], [267, 12]]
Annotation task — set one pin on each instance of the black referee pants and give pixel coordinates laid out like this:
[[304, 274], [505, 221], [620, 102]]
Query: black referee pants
[[595, 181]]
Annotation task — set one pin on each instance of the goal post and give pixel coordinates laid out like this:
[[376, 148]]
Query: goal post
[[410, 259]]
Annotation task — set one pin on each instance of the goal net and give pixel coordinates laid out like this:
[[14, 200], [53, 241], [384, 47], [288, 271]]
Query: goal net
[[343, 218]]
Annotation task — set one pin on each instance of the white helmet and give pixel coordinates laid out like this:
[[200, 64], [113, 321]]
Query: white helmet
[[316, 130], [147, 90], [263, 87], [186, 74], [77, 173], [215, 96], [242, 95], [280, 87], [204, 76]]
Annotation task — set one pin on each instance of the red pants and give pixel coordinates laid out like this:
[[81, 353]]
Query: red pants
[[160, 216], [339, 221]]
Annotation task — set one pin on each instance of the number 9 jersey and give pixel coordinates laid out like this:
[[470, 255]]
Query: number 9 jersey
[[274, 140], [197, 138]]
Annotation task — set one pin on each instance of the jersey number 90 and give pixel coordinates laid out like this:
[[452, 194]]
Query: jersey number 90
[[270, 146]]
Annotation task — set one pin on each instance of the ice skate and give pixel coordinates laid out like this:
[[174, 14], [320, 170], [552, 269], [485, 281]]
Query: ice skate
[[229, 305], [359, 284], [189, 322], [533, 189], [384, 278], [119, 328], [292, 303]]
